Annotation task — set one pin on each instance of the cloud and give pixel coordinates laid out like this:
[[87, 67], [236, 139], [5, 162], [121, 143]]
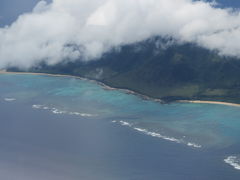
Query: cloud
[[85, 29]]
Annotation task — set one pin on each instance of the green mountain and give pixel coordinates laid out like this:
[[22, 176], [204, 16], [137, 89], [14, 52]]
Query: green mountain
[[183, 71]]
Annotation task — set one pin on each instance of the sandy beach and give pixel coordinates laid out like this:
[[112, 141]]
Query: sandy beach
[[209, 102], [32, 73]]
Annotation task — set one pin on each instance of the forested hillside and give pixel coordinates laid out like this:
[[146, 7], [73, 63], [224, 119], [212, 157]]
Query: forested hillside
[[183, 71]]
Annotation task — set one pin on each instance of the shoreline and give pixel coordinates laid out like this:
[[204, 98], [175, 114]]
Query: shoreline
[[209, 102], [124, 90], [127, 91]]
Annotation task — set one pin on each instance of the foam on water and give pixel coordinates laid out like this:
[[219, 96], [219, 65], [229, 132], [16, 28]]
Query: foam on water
[[233, 161], [37, 106], [81, 114], [9, 99], [194, 145], [158, 135], [188, 124], [57, 111], [124, 123]]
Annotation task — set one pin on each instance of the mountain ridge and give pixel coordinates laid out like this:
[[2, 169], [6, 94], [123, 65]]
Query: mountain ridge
[[159, 70]]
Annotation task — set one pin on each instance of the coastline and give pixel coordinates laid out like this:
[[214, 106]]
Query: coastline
[[128, 91], [209, 102], [124, 90]]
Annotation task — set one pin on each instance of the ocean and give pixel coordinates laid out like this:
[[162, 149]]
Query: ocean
[[65, 128]]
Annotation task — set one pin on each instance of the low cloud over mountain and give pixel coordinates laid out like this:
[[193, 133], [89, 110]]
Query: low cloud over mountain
[[73, 29]]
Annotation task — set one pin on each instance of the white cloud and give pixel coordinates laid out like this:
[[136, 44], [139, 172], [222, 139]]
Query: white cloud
[[69, 29]]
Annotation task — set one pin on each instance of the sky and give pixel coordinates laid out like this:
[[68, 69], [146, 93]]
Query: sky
[[229, 3], [11, 9], [33, 31]]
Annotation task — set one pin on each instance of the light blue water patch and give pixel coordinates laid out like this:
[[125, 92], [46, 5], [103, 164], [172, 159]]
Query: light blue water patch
[[206, 125]]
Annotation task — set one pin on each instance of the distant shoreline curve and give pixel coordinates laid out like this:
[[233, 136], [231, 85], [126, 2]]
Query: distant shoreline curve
[[128, 91], [125, 90], [209, 102]]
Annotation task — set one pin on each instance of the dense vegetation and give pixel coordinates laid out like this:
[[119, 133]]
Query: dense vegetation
[[183, 71]]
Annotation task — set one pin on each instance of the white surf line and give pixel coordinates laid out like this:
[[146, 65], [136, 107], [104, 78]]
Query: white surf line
[[233, 161], [9, 99], [57, 111], [37, 106], [124, 123], [194, 145], [158, 135], [81, 114]]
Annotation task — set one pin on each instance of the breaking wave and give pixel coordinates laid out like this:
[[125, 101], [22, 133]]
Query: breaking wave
[[158, 135], [9, 99], [233, 161], [57, 111]]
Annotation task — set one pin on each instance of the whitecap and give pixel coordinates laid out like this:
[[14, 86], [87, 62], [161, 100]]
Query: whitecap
[[233, 161], [158, 135], [81, 114], [9, 99], [75, 113], [124, 123], [86, 115], [154, 134], [58, 111], [37, 106], [194, 145]]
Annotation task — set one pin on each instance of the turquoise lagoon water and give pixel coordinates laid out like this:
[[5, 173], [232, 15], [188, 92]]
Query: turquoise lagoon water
[[201, 128]]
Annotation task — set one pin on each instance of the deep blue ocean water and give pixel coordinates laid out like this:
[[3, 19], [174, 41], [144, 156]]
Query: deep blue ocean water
[[67, 128]]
